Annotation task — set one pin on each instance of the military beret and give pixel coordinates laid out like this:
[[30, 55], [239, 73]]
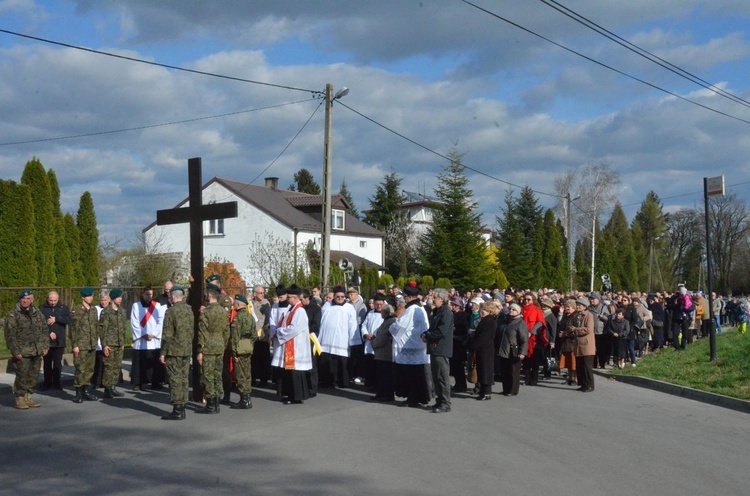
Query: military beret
[[24, 293], [115, 293], [87, 291], [241, 298], [179, 289], [213, 277], [213, 287]]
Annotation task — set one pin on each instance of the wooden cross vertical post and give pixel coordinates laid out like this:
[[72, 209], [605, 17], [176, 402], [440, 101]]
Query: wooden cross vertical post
[[195, 214]]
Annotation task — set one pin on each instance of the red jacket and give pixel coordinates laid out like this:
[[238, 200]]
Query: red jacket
[[532, 315]]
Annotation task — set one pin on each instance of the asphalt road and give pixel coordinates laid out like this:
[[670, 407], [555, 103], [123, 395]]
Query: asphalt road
[[621, 439]]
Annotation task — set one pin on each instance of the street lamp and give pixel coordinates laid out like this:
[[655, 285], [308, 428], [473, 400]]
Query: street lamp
[[325, 241], [651, 262]]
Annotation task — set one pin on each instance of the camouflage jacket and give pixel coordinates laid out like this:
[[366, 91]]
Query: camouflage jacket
[[85, 328], [26, 331], [225, 302], [213, 330], [178, 331], [114, 326], [243, 327]]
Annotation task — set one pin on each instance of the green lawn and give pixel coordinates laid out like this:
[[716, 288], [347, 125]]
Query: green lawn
[[728, 375]]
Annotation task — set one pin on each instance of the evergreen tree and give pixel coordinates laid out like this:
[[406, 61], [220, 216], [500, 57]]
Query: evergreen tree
[[73, 239], [35, 177], [89, 252], [652, 240], [617, 251], [554, 262], [63, 264], [18, 265], [582, 262], [344, 191], [453, 246], [517, 243], [305, 183], [385, 214]]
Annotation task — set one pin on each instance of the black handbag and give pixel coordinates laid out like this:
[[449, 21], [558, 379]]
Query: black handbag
[[552, 364]]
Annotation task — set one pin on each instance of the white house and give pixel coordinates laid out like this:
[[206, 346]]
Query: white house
[[267, 214], [419, 207]]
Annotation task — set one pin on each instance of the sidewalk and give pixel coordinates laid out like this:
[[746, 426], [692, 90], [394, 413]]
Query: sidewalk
[[7, 376]]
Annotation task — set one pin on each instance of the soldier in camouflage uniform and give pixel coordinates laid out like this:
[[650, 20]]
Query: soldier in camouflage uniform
[[226, 303], [28, 341], [243, 334], [176, 348], [213, 336], [114, 326], [84, 336]]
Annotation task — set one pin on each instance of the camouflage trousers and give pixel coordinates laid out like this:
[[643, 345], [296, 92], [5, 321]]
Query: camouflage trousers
[[211, 376], [243, 374], [112, 366], [178, 371], [84, 364], [27, 374]]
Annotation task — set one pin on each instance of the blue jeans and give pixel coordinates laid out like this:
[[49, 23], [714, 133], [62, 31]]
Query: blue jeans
[[631, 350], [718, 323]]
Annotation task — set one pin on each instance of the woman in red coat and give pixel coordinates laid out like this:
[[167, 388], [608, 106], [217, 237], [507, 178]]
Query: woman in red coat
[[533, 315]]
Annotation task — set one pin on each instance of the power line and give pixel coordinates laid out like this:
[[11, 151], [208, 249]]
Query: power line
[[440, 154], [280, 153], [602, 64], [315, 93], [138, 128], [642, 52]]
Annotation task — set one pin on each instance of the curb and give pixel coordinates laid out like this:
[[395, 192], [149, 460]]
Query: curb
[[682, 391]]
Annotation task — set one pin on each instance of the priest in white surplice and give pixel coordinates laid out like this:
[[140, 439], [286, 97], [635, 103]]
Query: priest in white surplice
[[409, 351], [369, 331], [291, 351], [146, 322], [338, 326]]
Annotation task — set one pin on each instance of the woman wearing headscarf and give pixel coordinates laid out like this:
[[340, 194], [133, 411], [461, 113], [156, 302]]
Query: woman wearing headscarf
[[513, 338]]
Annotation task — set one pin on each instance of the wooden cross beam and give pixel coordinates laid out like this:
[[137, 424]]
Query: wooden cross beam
[[195, 214]]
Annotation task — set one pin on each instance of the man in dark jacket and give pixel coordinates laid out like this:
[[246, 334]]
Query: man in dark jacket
[[439, 339], [57, 317]]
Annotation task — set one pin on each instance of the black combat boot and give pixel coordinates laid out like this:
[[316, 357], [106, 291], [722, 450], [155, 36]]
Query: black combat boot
[[116, 393], [178, 413], [79, 395], [212, 406], [87, 396], [108, 393], [245, 403]]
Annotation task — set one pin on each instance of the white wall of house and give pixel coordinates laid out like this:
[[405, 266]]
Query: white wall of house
[[239, 234]]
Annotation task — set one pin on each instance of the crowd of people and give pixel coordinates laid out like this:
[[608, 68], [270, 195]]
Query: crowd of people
[[401, 343]]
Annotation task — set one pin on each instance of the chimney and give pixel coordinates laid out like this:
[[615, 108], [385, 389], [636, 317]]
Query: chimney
[[272, 183]]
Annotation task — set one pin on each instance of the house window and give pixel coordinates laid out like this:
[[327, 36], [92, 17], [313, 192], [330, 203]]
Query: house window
[[363, 244], [337, 220], [215, 227]]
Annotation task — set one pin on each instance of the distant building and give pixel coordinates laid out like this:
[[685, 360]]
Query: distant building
[[267, 214]]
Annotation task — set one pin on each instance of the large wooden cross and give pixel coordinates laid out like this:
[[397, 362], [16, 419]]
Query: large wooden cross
[[195, 214]]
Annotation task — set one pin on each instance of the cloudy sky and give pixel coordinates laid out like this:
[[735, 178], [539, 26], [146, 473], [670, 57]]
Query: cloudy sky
[[439, 73]]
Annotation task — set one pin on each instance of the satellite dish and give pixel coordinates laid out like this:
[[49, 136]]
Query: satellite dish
[[345, 264]]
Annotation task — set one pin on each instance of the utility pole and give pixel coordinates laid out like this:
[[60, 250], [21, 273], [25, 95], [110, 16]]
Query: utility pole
[[569, 236], [325, 239]]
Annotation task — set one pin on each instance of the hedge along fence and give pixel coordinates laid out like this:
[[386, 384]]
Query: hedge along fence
[[71, 297]]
